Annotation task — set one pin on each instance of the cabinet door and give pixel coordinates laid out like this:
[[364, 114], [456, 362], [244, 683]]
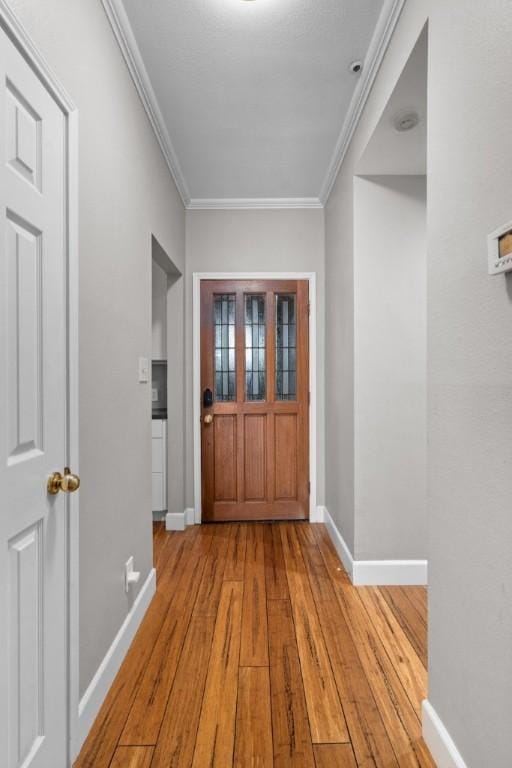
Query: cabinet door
[[157, 427], [157, 457]]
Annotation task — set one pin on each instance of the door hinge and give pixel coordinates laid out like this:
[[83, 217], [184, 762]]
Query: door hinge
[[309, 307]]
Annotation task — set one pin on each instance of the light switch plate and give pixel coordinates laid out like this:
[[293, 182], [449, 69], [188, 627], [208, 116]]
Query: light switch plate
[[143, 370]]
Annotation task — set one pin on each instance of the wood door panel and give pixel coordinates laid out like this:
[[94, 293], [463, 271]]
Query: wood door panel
[[255, 433], [225, 457], [255, 457], [285, 436], [229, 511]]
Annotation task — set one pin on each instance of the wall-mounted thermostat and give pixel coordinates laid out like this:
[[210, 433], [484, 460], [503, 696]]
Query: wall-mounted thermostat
[[499, 250]]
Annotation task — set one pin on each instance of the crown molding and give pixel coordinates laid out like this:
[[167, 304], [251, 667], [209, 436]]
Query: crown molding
[[379, 43], [123, 32], [257, 203]]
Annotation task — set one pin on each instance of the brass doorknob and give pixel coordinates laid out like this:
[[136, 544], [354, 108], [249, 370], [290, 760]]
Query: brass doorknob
[[208, 418], [67, 483]]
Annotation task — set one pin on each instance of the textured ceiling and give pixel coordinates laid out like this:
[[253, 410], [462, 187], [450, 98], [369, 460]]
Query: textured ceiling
[[253, 94]]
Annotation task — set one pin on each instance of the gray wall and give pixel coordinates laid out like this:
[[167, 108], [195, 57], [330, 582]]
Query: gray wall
[[176, 394], [256, 241], [469, 321], [339, 366], [390, 367], [159, 312], [126, 195]]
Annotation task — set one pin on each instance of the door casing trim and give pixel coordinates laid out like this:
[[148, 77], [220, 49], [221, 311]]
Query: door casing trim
[[12, 26], [197, 277]]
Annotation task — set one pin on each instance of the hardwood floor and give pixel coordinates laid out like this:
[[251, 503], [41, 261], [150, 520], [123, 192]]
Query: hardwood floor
[[257, 651]]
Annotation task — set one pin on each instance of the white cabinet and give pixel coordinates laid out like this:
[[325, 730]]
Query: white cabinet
[[159, 464]]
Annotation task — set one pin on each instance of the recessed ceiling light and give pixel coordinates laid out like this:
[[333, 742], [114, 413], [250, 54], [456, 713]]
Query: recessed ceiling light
[[406, 121]]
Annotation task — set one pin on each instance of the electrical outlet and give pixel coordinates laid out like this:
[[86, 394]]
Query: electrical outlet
[[130, 576]]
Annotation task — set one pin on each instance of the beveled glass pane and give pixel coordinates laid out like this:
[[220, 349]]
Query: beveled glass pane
[[255, 372], [286, 358], [224, 358]]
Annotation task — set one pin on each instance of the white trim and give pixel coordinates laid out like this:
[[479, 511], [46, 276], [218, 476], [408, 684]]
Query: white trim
[[257, 203], [175, 521], [376, 572], [196, 365], [178, 521], [441, 745], [340, 545], [13, 27], [123, 32], [386, 24], [317, 515], [73, 458], [94, 696], [381, 573]]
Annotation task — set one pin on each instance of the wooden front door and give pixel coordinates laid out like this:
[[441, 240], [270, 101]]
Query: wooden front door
[[255, 399]]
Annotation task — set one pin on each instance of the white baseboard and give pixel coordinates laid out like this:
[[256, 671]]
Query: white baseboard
[[175, 521], [99, 686], [382, 573], [376, 572], [438, 740], [317, 515], [340, 545]]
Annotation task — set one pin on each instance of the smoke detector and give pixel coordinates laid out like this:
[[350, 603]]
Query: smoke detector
[[406, 121]]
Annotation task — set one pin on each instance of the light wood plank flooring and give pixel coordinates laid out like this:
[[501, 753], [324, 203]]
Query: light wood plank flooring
[[257, 652]]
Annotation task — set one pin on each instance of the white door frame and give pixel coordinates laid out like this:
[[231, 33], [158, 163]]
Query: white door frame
[[12, 26], [314, 514]]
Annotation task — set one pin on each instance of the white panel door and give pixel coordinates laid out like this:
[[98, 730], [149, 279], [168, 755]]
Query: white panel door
[[33, 402]]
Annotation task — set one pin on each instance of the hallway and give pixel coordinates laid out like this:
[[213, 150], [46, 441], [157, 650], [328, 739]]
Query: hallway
[[258, 651]]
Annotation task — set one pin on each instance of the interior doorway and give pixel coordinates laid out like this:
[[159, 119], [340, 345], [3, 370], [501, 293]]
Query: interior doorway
[[167, 331], [255, 399]]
